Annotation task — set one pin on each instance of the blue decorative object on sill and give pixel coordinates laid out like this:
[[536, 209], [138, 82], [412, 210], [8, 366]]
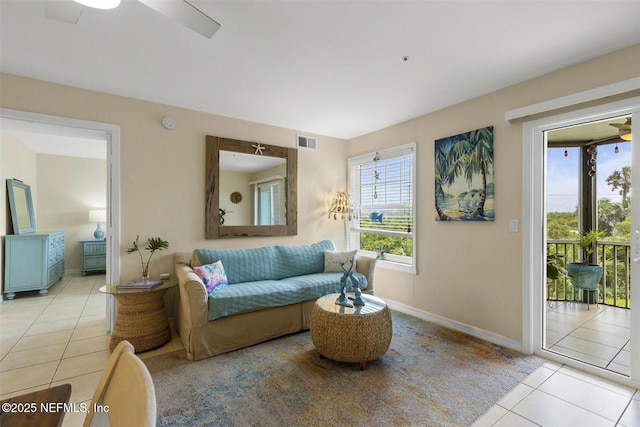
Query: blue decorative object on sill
[[342, 299], [376, 217]]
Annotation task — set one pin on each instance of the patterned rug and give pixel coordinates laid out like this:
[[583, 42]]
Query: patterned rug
[[430, 376]]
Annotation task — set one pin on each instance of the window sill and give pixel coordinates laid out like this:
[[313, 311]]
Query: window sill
[[396, 266]]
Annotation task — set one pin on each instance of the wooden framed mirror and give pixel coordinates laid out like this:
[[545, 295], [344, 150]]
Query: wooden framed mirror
[[266, 176], [23, 219]]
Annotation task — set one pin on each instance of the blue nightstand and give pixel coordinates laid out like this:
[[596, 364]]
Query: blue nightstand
[[93, 256]]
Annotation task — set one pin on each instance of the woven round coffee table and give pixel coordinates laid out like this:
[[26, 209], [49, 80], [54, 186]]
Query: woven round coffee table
[[345, 334]]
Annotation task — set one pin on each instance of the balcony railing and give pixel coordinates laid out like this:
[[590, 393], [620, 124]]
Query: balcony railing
[[615, 259]]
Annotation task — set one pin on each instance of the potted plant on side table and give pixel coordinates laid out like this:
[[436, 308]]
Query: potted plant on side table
[[153, 244], [585, 275]]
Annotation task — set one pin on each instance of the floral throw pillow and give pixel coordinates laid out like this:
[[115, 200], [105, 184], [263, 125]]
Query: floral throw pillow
[[332, 260], [212, 275]]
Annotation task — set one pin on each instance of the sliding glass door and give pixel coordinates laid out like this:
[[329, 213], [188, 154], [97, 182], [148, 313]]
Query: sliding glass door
[[588, 192], [590, 188]]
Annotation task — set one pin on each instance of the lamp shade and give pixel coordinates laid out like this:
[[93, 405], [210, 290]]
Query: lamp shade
[[98, 215], [341, 205]]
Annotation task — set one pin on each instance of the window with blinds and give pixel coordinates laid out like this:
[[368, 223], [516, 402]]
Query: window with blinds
[[382, 186]]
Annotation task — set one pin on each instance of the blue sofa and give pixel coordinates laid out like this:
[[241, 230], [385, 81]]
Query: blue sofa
[[271, 292]]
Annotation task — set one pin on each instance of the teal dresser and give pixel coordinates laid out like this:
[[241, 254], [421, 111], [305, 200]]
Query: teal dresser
[[93, 256], [33, 262]]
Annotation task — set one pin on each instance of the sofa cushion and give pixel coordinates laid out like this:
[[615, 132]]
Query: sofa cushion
[[228, 300], [327, 283], [242, 265], [297, 260], [212, 275], [267, 262], [332, 260]]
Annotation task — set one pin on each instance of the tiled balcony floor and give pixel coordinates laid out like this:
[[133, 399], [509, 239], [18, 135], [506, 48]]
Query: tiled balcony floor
[[599, 335]]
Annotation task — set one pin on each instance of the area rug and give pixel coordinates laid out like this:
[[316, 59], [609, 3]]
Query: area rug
[[430, 376]]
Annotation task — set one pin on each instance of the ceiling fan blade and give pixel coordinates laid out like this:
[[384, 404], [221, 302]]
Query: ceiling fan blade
[[621, 126], [624, 126], [186, 14], [64, 10]]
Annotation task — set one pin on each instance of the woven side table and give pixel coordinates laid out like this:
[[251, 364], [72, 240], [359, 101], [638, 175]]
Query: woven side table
[[141, 318], [344, 334]]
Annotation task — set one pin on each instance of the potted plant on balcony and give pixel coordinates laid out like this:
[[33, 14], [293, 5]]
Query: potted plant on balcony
[[585, 275], [555, 267], [555, 270]]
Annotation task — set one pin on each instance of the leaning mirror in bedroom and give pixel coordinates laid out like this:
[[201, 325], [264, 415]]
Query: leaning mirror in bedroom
[[250, 189], [21, 206]]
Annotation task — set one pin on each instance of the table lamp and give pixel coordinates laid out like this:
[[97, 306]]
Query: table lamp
[[341, 205]]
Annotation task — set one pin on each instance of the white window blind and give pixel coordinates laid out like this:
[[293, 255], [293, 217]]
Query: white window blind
[[382, 186], [386, 195]]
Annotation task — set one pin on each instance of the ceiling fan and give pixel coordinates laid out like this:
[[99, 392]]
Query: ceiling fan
[[179, 10], [624, 129]]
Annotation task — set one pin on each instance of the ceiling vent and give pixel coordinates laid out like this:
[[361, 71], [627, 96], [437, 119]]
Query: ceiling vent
[[307, 142]]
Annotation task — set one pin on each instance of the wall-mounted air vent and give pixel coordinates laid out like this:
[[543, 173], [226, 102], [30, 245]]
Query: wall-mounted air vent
[[307, 142]]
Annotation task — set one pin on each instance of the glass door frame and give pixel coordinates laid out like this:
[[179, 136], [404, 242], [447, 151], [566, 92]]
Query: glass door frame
[[534, 237]]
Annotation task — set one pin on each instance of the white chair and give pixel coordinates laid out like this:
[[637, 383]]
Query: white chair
[[126, 389]]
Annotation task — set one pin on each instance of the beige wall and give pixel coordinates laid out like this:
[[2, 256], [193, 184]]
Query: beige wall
[[67, 188], [471, 272], [16, 161], [163, 171], [467, 272]]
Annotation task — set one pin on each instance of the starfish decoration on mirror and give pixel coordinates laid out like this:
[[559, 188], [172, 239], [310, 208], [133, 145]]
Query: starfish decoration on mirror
[[258, 148]]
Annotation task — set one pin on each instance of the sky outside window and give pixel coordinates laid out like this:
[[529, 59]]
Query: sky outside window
[[562, 175]]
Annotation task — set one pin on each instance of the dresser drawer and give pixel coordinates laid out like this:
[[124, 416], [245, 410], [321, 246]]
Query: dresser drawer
[[56, 255], [55, 272], [56, 242], [95, 263], [94, 248]]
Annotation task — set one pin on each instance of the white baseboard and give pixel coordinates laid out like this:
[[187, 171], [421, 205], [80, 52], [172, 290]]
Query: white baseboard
[[455, 325]]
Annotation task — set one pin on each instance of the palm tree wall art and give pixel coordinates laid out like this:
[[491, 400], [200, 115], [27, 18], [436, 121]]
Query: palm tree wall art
[[464, 176]]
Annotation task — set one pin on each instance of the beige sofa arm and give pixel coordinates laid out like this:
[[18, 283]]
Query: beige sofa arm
[[193, 307], [367, 266]]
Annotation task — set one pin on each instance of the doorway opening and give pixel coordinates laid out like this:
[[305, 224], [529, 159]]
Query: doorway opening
[[534, 229], [111, 135], [588, 190]]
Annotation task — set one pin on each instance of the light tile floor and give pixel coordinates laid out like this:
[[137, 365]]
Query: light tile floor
[[557, 395], [60, 338], [599, 336]]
